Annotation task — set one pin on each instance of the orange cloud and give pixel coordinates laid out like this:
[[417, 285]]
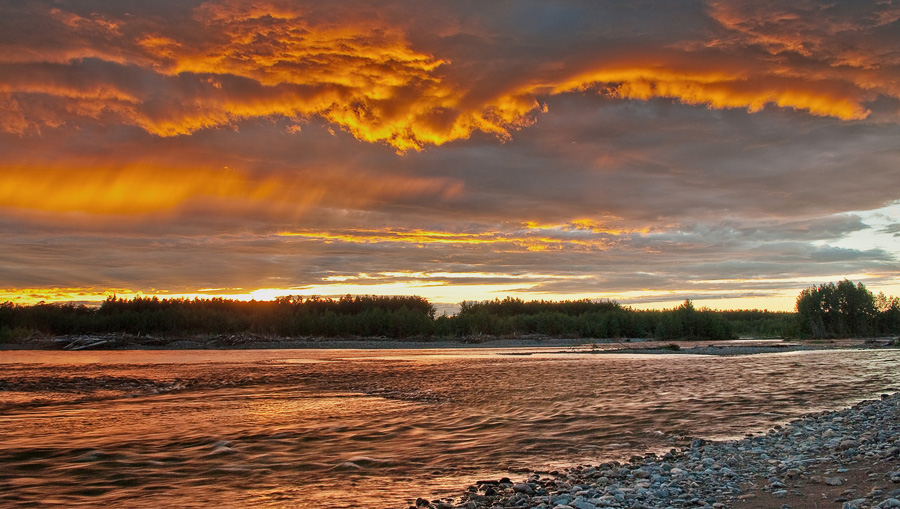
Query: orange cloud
[[690, 81], [30, 296], [533, 237], [844, 35], [362, 75], [849, 41], [232, 62], [146, 189]]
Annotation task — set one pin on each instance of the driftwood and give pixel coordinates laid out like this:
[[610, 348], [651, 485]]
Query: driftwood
[[84, 343], [91, 341]]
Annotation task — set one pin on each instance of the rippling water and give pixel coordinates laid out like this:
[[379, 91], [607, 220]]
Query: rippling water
[[354, 428]]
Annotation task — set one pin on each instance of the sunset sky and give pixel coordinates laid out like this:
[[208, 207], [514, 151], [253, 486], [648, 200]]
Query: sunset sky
[[725, 151]]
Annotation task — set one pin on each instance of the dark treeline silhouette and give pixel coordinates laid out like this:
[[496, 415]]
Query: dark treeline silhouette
[[513, 307], [391, 317], [584, 319], [763, 324], [846, 310], [826, 311], [398, 317]]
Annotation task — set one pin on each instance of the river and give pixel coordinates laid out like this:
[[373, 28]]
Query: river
[[376, 428]]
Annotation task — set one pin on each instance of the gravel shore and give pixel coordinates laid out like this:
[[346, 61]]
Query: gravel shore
[[846, 459], [571, 345], [257, 342]]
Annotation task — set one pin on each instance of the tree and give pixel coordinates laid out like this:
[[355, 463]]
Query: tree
[[837, 311]]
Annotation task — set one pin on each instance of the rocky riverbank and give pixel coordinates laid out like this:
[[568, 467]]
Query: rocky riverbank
[[248, 341], [846, 459], [752, 347]]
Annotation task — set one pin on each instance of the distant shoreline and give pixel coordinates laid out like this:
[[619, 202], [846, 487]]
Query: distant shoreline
[[575, 345]]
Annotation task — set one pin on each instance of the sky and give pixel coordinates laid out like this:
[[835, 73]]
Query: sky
[[648, 152]]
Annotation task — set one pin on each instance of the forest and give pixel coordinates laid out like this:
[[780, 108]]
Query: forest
[[826, 311]]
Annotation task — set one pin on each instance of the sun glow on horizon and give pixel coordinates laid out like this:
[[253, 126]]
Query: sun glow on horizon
[[441, 289]]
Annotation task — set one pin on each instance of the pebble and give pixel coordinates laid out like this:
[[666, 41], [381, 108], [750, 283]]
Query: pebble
[[714, 474]]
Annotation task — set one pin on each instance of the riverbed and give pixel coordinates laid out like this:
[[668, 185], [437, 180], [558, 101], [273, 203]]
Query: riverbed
[[377, 428]]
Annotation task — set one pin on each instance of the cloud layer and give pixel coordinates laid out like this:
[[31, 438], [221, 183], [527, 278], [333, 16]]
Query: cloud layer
[[649, 154]]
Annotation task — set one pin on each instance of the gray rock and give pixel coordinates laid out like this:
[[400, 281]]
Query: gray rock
[[834, 481], [562, 499], [523, 488], [858, 503], [848, 444]]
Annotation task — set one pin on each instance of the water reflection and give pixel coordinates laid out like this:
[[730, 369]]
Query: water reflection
[[360, 428]]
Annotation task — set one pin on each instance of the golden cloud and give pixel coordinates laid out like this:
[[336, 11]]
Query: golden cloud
[[588, 236], [832, 32], [146, 189], [848, 41], [31, 296], [364, 75]]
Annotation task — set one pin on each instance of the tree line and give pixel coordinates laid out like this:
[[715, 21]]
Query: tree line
[[825, 311], [370, 315], [383, 316], [586, 319]]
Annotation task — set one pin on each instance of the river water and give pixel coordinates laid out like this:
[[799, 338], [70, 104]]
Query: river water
[[376, 428]]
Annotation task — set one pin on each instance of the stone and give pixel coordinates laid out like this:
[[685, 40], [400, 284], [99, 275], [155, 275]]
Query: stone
[[523, 488], [848, 444], [712, 474], [858, 503], [834, 481], [562, 499]]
